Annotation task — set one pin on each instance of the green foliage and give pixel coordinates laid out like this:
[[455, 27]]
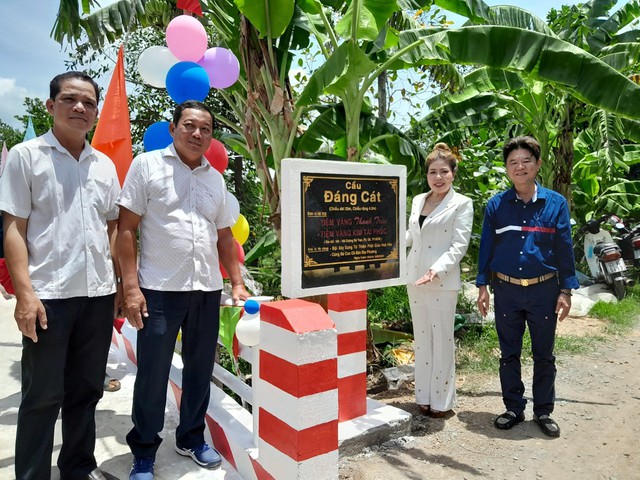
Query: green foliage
[[390, 305], [42, 121], [106, 25], [267, 272], [68, 23], [12, 136], [229, 318], [602, 184], [37, 110], [270, 18], [478, 348], [481, 174], [364, 20], [386, 336], [262, 249], [622, 315], [479, 351], [240, 367]]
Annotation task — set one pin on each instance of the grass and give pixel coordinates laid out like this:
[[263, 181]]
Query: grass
[[620, 316], [477, 345], [479, 352]]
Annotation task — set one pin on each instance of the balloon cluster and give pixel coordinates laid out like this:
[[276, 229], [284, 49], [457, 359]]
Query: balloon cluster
[[188, 69]]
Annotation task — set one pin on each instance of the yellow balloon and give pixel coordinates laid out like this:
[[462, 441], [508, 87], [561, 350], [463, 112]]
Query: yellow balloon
[[241, 230]]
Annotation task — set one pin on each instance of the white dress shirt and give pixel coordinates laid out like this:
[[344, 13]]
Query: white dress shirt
[[182, 211], [67, 203]]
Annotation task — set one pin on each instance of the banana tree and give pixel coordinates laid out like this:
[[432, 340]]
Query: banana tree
[[264, 34], [545, 107], [602, 172], [501, 99], [360, 46]]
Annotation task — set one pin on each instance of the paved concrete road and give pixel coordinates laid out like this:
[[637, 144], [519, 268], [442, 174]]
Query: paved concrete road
[[113, 419]]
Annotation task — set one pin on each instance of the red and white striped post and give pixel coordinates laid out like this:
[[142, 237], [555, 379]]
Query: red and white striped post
[[349, 313], [296, 392]]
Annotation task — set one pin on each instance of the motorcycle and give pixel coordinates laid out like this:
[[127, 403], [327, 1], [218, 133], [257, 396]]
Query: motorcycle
[[628, 240], [604, 257]]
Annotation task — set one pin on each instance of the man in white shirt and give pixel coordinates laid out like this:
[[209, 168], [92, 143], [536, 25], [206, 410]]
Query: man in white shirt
[[58, 197], [179, 203]]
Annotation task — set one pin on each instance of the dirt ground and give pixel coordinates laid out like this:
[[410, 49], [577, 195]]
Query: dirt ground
[[598, 399]]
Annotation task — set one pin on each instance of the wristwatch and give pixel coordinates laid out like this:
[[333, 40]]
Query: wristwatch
[[566, 291]]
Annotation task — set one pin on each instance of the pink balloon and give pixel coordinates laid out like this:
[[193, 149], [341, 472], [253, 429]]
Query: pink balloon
[[222, 66], [217, 155], [186, 38]]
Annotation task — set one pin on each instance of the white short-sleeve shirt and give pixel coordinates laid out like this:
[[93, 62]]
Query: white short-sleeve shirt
[[182, 211], [67, 203]]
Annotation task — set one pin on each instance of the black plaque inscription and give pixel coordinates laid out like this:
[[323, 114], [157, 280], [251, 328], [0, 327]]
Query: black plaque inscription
[[350, 229]]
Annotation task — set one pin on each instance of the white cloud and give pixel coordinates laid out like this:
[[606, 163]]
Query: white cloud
[[11, 101]]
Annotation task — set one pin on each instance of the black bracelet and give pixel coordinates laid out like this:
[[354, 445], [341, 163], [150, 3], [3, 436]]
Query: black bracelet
[[566, 291]]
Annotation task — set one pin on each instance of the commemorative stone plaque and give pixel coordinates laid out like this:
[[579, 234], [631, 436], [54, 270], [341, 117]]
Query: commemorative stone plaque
[[349, 222], [350, 226]]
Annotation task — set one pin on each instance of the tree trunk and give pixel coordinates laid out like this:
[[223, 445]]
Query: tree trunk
[[382, 96], [564, 154]]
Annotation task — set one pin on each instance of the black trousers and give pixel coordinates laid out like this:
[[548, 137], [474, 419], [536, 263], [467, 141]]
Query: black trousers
[[533, 306], [63, 370], [197, 313]]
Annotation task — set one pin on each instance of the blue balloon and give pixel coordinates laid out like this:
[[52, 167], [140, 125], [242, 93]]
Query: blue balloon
[[157, 136], [187, 81], [251, 306]]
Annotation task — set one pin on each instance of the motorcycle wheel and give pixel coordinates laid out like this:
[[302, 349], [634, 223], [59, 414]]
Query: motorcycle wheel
[[619, 288]]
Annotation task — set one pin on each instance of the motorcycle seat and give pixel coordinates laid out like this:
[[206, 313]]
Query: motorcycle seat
[[603, 247]]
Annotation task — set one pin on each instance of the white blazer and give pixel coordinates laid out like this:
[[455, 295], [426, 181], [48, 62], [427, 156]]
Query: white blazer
[[441, 242]]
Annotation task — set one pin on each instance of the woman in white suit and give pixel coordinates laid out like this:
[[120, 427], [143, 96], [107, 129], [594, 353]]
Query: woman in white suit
[[438, 237]]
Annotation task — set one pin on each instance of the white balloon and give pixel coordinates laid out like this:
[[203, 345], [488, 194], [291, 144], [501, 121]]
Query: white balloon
[[154, 64], [248, 329], [233, 206]]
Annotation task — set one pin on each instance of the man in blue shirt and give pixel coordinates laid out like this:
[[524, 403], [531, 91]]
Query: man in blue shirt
[[526, 255]]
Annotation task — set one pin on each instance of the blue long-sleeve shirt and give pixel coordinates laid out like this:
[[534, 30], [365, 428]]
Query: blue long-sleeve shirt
[[527, 240]]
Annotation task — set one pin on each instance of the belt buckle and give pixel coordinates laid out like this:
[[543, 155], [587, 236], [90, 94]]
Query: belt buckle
[[524, 282]]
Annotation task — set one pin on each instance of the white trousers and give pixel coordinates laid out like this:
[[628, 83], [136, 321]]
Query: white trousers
[[432, 314]]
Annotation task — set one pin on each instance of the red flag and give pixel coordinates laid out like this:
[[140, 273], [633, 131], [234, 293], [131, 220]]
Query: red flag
[[192, 6], [113, 132]]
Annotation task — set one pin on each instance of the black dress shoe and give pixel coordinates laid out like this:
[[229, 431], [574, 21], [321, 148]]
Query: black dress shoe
[[548, 425], [508, 420]]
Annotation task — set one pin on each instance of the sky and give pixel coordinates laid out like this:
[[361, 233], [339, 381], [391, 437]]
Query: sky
[[29, 58]]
